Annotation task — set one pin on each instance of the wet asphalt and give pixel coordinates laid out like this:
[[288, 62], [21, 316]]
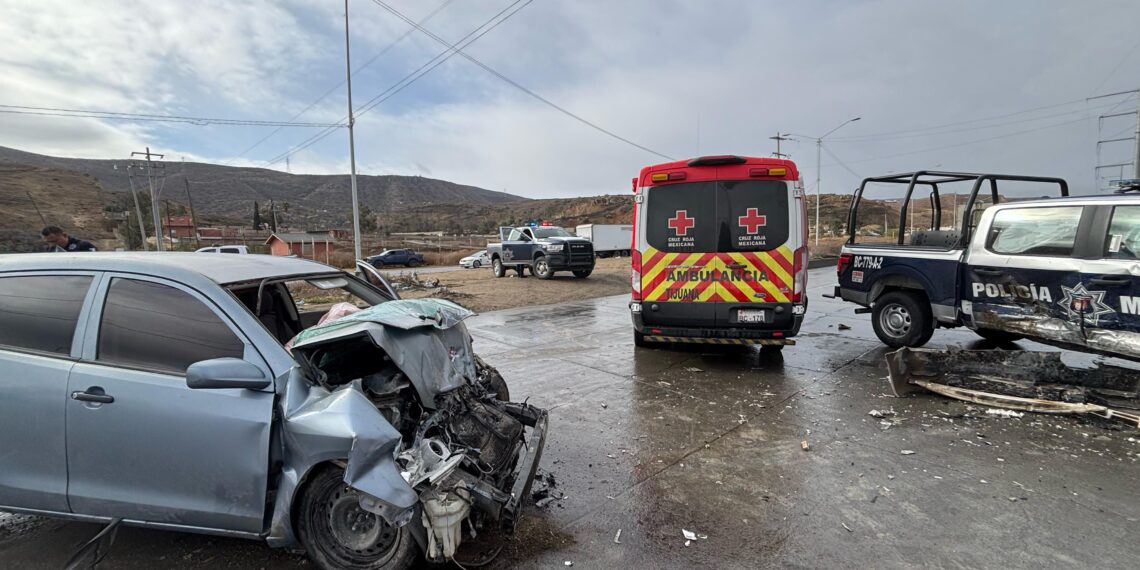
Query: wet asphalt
[[711, 440]]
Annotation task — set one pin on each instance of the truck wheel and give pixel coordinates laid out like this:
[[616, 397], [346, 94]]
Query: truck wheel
[[497, 267], [541, 268], [902, 318], [998, 337], [413, 263], [337, 533], [378, 264], [583, 273]]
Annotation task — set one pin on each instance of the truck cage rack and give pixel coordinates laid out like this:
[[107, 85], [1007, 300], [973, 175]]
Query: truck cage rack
[[933, 178]]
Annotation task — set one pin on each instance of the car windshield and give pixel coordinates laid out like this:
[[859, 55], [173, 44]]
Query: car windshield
[[288, 306], [550, 232]]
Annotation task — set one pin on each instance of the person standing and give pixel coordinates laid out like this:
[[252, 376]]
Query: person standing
[[60, 241]]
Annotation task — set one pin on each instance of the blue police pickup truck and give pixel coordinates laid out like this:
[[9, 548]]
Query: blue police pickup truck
[[1061, 270], [542, 249]]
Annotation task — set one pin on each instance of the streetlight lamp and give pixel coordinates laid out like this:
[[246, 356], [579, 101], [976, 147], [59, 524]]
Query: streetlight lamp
[[818, 148]]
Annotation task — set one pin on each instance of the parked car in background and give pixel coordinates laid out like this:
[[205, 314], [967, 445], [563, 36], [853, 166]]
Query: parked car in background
[[224, 249], [405, 257], [475, 260], [157, 390]]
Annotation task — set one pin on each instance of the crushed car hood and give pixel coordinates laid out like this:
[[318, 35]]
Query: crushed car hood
[[425, 338]]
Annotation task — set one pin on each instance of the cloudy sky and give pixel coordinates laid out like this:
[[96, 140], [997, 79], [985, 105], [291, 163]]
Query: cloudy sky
[[978, 85]]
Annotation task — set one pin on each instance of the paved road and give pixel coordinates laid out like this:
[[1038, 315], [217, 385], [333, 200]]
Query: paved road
[[655, 441]]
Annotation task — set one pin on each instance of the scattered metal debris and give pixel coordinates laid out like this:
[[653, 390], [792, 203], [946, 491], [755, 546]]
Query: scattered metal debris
[[844, 327], [907, 452], [1018, 380], [882, 413], [1004, 413], [804, 445], [617, 537], [849, 529]]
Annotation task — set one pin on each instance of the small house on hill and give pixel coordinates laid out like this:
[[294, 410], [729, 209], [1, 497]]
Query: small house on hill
[[314, 245]]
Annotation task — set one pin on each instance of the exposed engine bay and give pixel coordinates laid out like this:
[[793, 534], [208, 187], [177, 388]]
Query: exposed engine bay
[[463, 449]]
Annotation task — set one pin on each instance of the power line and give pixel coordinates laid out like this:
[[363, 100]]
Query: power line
[[360, 68], [840, 162], [1116, 68], [520, 87], [113, 115], [967, 143], [408, 79]]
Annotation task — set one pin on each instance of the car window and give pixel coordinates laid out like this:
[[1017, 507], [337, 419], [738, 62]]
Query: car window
[[40, 312], [154, 326], [230, 250], [752, 214], [1123, 240], [1034, 231], [682, 217]]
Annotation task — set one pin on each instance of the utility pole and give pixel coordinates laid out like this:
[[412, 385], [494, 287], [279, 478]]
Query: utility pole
[[193, 218], [153, 197], [778, 138], [138, 208], [1135, 140], [351, 142]]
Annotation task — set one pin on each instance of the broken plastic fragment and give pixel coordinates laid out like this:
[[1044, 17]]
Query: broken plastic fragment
[[907, 452], [688, 534], [617, 537]]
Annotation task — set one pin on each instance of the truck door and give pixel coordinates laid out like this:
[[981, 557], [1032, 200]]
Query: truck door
[[517, 247], [1024, 265], [755, 253], [679, 262], [1112, 282]]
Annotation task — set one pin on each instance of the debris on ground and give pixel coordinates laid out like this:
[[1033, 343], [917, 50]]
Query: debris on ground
[[804, 445], [693, 369], [882, 413], [412, 282], [1025, 381], [568, 563], [847, 527], [907, 452], [1004, 413], [617, 537], [542, 491], [844, 327]]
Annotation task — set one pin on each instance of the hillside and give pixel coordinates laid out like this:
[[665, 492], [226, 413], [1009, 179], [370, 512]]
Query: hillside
[[306, 201], [485, 219], [68, 199]]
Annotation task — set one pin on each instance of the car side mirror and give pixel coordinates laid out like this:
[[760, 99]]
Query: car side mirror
[[225, 373]]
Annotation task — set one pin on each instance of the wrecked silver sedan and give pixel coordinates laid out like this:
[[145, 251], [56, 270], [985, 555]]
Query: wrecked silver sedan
[[268, 398]]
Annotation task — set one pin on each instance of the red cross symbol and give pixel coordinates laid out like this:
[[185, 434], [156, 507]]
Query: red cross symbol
[[752, 220], [682, 222]]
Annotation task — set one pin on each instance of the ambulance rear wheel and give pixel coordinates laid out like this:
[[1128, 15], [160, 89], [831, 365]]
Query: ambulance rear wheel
[[497, 267], [640, 342], [902, 318]]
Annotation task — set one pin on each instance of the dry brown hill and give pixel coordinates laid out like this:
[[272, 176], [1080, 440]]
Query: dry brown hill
[[32, 197]]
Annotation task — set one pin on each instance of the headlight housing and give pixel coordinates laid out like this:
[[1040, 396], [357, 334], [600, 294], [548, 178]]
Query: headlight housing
[[551, 247]]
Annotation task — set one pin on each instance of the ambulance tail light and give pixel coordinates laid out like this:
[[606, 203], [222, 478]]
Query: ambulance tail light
[[775, 171], [635, 275], [844, 262], [799, 268], [668, 176]]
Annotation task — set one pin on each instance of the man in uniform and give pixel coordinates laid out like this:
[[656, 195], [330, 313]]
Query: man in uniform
[[60, 241]]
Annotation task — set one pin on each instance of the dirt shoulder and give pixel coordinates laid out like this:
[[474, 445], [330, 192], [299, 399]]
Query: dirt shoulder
[[480, 291]]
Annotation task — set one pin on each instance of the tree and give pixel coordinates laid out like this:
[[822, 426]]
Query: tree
[[367, 220]]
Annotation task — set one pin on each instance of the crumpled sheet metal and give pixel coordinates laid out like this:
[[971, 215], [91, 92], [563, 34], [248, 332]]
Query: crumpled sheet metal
[[403, 314], [1035, 324], [323, 426]]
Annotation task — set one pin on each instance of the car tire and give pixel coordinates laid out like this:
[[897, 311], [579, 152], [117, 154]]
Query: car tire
[[325, 503], [497, 267], [378, 264], [640, 342], [584, 273], [998, 337], [541, 268], [902, 318], [476, 265], [413, 263]]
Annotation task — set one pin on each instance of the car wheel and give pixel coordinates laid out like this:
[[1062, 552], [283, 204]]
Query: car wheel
[[497, 267], [378, 264], [582, 274], [476, 264], [413, 263], [541, 268], [902, 318], [998, 337], [640, 342], [337, 533]]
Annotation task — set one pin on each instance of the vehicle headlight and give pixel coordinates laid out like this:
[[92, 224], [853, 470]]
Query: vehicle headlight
[[552, 246]]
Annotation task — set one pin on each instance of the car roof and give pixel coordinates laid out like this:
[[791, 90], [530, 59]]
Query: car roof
[[220, 268], [1122, 198]]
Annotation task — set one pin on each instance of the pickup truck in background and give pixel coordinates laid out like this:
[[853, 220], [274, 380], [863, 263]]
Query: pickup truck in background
[[609, 240], [404, 257], [1062, 271], [545, 250]]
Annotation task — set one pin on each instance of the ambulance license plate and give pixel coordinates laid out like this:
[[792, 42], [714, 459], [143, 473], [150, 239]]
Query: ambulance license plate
[[751, 316]]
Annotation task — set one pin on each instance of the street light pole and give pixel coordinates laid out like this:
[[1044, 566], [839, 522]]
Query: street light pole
[[351, 142], [818, 148]]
